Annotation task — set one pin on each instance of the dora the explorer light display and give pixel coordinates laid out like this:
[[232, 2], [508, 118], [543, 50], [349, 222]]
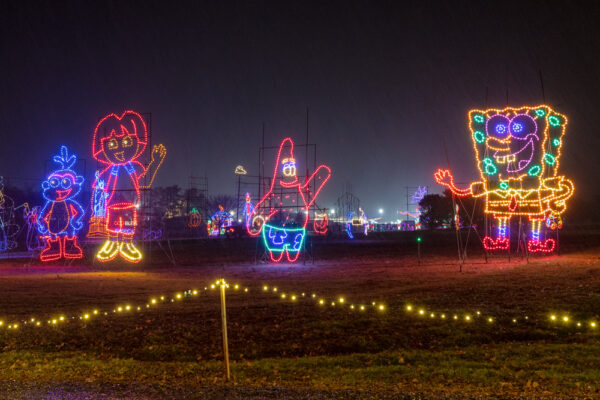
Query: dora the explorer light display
[[517, 150], [119, 141]]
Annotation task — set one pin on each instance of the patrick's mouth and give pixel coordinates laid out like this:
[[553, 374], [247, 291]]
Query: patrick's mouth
[[120, 156], [517, 161], [62, 194]]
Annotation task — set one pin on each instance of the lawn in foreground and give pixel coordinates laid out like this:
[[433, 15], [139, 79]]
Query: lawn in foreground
[[304, 346]]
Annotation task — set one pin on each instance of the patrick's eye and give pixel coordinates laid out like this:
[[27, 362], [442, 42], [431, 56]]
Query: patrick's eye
[[127, 141], [113, 144]]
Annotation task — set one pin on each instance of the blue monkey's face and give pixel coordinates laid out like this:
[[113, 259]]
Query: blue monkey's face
[[61, 185]]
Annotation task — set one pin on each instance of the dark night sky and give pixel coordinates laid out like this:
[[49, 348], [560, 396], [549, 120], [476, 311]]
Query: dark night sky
[[385, 83]]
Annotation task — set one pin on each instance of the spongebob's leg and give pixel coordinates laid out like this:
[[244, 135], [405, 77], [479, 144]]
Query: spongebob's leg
[[502, 241], [535, 245]]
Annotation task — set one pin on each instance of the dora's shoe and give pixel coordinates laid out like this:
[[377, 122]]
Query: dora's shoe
[[71, 248], [109, 251], [536, 246], [500, 243], [53, 249], [130, 252]]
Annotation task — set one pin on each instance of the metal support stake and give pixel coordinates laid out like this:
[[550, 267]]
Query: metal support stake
[[224, 329]]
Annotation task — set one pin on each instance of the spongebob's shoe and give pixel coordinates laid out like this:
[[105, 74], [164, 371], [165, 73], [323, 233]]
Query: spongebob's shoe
[[130, 252], [501, 243], [537, 246], [109, 251]]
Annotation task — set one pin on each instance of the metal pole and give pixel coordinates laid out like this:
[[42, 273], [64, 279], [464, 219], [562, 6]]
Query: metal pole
[[224, 329]]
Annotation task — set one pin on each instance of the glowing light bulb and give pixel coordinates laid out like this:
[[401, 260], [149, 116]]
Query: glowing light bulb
[[553, 317], [341, 300], [409, 308], [421, 311], [381, 307], [467, 317]]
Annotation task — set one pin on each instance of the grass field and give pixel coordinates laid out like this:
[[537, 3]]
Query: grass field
[[298, 348]]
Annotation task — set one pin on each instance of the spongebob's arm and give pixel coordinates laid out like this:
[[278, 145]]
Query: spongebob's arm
[[553, 183], [562, 187], [445, 178], [478, 189]]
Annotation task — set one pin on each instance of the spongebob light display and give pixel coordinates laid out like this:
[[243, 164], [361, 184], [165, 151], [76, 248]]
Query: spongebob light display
[[283, 212], [517, 150]]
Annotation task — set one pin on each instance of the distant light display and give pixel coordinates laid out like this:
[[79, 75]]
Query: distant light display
[[517, 151], [219, 222], [321, 223], [358, 220], [61, 218]]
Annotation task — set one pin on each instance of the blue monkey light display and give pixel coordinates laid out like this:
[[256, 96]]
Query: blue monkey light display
[[61, 217]]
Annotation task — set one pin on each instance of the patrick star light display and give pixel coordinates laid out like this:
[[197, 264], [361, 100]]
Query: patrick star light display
[[283, 212]]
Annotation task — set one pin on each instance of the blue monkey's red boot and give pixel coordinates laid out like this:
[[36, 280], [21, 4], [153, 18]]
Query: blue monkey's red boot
[[72, 249], [53, 249]]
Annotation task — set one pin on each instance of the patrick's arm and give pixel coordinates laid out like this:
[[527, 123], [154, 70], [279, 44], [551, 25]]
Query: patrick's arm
[[321, 176]]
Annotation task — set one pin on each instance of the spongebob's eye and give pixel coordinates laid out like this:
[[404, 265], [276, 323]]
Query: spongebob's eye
[[127, 141], [497, 126], [523, 125], [517, 127], [113, 144]]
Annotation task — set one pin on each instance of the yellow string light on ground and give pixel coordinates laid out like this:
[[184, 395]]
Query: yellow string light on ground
[[339, 302]]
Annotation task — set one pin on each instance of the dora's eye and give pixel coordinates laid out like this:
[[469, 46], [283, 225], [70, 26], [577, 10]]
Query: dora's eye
[[113, 144], [127, 141]]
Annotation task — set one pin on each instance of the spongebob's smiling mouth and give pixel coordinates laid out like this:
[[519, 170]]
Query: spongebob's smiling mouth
[[524, 156], [120, 156]]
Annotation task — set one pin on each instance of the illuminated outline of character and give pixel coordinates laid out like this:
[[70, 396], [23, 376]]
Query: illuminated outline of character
[[519, 171], [248, 211], [287, 236], [117, 144], [62, 216]]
